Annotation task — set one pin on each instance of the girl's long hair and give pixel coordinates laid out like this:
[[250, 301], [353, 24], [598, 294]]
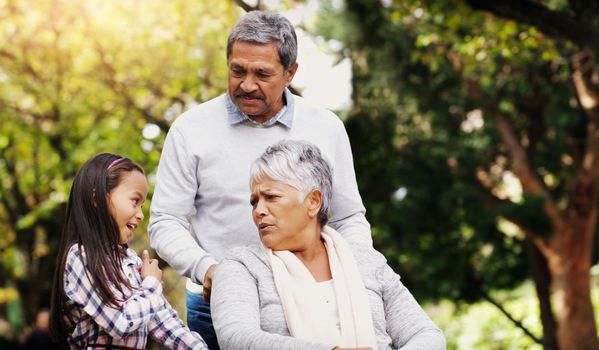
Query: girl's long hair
[[90, 225]]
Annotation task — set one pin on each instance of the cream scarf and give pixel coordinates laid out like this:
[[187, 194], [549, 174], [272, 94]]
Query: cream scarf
[[295, 286]]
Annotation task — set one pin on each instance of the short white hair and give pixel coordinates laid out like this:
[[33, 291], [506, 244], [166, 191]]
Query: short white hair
[[300, 165]]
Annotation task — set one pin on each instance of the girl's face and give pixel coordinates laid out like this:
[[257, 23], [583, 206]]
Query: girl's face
[[125, 202]]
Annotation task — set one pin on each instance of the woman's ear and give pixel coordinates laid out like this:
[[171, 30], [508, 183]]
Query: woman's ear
[[314, 202]]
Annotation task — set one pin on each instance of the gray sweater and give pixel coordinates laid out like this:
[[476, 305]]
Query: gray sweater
[[200, 207], [247, 311]]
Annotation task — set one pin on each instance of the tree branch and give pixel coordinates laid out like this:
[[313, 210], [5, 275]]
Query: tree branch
[[247, 7], [550, 22], [582, 76], [517, 323], [520, 165], [530, 183]]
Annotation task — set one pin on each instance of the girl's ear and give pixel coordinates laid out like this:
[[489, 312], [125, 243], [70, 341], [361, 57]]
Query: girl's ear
[[94, 198], [314, 202]]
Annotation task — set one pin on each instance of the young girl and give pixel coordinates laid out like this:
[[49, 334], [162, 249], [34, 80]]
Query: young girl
[[104, 295]]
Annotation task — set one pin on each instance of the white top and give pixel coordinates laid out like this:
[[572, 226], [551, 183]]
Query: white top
[[200, 206], [328, 303]]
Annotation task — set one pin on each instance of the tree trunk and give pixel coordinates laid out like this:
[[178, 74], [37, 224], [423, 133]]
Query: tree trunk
[[569, 257], [542, 280]]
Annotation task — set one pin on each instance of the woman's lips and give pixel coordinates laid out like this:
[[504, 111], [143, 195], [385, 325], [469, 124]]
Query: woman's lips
[[264, 227]]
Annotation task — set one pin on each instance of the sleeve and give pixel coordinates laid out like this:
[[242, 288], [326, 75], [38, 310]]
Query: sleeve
[[348, 212], [134, 313], [407, 324], [167, 328], [235, 313], [172, 205]]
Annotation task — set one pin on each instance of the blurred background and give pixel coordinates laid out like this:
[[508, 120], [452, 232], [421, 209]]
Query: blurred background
[[474, 126]]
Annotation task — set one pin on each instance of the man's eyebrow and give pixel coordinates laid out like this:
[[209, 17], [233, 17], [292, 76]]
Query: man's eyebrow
[[264, 70]]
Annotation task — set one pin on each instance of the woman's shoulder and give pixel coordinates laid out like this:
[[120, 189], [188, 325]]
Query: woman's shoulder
[[245, 260], [245, 254]]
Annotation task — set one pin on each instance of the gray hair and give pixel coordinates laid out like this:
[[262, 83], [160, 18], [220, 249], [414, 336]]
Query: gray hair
[[298, 164], [264, 28]]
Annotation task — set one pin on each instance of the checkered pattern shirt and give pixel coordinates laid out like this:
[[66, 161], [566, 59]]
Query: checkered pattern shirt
[[144, 311]]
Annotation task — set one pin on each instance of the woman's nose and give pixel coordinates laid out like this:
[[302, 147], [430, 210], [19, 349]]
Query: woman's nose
[[260, 209]]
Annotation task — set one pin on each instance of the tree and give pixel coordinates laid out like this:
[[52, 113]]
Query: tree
[[569, 250], [79, 78], [452, 106]]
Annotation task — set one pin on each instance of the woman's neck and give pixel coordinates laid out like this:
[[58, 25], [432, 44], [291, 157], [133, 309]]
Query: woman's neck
[[315, 257]]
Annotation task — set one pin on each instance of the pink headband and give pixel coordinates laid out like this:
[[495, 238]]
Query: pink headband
[[114, 162]]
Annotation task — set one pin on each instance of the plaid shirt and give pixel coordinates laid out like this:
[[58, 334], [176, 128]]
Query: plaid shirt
[[143, 312]]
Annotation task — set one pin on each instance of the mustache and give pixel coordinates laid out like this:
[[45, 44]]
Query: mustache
[[242, 94]]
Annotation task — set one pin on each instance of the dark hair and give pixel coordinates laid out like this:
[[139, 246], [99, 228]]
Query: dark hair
[[90, 225]]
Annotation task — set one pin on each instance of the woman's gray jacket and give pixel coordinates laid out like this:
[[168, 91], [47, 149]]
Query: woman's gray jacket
[[247, 312]]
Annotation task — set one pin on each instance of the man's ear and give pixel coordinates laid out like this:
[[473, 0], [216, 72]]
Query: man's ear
[[314, 202], [291, 73]]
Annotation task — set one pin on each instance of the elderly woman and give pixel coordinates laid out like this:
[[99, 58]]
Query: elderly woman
[[305, 287]]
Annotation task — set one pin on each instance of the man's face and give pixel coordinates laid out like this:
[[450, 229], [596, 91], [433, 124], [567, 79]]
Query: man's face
[[257, 79]]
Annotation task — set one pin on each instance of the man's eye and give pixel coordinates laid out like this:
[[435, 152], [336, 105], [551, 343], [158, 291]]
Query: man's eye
[[253, 202]]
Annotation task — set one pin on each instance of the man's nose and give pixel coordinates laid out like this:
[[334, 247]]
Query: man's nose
[[248, 84]]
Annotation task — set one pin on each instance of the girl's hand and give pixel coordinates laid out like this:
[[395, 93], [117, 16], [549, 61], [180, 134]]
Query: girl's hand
[[149, 267]]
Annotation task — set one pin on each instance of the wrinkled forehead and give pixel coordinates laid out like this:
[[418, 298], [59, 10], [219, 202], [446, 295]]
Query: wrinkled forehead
[[267, 184]]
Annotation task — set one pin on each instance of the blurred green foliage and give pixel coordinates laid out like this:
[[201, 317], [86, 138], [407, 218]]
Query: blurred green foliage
[[481, 326], [78, 78], [436, 88]]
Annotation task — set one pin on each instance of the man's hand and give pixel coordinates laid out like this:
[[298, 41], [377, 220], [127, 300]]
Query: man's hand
[[208, 282], [149, 267]]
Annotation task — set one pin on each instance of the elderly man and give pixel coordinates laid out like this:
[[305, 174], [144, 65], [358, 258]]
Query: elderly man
[[200, 204]]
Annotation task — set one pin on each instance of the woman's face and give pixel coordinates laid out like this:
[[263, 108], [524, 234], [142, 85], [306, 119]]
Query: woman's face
[[281, 216]]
